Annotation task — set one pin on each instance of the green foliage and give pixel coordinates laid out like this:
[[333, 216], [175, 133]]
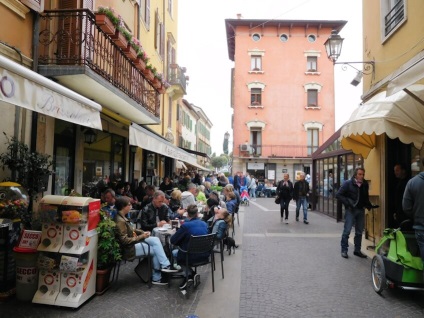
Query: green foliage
[[30, 169], [218, 162], [216, 188], [110, 14], [109, 250]]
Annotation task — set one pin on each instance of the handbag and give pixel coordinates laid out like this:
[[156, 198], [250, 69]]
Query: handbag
[[143, 269], [277, 200]]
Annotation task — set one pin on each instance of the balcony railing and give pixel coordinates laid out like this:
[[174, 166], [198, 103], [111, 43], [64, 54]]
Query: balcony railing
[[176, 76], [71, 38], [394, 17], [275, 151]]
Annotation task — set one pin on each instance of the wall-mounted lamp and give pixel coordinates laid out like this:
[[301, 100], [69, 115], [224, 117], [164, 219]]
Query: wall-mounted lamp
[[333, 47], [90, 136], [357, 79]]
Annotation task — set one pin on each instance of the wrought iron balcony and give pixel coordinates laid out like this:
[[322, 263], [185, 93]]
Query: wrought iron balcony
[[275, 151], [178, 81], [78, 54]]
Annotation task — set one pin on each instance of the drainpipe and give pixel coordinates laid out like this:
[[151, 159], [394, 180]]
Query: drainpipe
[[35, 40]]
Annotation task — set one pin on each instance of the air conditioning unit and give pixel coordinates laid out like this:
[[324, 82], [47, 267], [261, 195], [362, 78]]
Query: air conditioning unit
[[245, 147]]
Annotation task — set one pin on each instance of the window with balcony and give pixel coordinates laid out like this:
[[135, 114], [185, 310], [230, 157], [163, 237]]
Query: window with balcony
[[313, 140], [255, 97], [256, 141], [311, 64], [393, 15], [256, 63]]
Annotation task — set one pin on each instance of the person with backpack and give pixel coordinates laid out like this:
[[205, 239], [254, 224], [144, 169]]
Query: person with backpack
[[285, 193]]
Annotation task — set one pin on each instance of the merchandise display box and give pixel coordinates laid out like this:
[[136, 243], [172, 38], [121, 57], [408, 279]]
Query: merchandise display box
[[68, 250]]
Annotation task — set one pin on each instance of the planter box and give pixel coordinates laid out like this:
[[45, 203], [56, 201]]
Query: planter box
[[119, 39], [162, 89], [157, 83], [105, 24], [148, 74], [139, 63], [130, 52]]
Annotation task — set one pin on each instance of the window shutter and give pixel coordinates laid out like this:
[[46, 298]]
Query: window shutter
[[148, 14], [36, 5]]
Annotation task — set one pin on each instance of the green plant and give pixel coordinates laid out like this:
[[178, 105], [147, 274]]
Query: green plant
[[30, 169], [110, 13], [108, 249], [128, 36], [216, 188]]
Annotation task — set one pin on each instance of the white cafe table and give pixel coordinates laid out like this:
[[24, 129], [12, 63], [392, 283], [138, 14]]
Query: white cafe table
[[162, 233]]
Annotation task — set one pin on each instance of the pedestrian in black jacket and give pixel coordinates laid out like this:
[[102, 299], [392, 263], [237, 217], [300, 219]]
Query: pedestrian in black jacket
[[285, 192], [300, 194]]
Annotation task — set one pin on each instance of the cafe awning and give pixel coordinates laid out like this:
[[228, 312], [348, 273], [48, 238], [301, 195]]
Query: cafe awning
[[145, 139], [25, 88], [398, 116], [407, 76], [180, 165]]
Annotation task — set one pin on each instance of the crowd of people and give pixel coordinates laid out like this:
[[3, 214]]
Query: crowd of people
[[137, 213]]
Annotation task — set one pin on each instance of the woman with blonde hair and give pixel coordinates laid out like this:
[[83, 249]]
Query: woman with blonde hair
[[175, 205]]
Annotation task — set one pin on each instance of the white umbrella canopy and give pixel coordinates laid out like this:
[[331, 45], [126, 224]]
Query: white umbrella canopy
[[398, 116]]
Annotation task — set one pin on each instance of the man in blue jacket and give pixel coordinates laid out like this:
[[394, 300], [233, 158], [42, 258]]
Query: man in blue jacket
[[191, 226], [354, 195]]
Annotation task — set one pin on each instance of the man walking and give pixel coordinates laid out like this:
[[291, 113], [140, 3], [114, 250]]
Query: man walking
[[413, 206], [300, 194], [354, 195]]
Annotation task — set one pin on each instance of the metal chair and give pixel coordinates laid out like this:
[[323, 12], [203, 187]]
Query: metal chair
[[144, 273], [198, 245]]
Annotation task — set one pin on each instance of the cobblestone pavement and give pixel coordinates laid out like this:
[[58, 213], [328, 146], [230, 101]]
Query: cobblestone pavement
[[295, 270]]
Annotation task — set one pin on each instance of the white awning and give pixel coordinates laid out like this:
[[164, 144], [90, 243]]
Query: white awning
[[180, 165], [408, 76], [25, 88], [145, 139], [398, 116]]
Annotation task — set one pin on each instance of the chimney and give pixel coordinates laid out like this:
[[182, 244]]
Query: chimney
[[239, 16]]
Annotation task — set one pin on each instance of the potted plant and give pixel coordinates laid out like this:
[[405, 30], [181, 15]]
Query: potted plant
[[106, 20], [108, 251], [28, 168], [148, 73]]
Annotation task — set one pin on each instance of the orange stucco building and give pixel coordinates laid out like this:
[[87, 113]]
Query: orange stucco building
[[282, 94]]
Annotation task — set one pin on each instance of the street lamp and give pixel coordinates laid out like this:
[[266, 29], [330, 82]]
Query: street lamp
[[225, 146], [333, 47]]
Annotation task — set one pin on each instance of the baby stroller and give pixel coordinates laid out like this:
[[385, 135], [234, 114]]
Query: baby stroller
[[398, 262], [244, 196]]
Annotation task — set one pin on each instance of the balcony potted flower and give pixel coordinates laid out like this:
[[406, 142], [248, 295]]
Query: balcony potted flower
[[157, 81], [106, 20], [121, 36], [132, 48], [141, 60], [148, 72]]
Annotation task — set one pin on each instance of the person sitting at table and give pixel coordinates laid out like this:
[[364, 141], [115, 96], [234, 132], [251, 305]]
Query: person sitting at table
[[109, 202], [189, 197], [192, 226], [155, 214], [150, 190], [208, 189], [211, 204], [220, 222], [132, 241], [166, 186], [175, 207], [230, 201], [201, 197], [215, 195]]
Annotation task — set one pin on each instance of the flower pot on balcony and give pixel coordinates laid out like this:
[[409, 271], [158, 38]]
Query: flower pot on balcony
[[105, 24], [130, 52], [119, 39], [157, 83], [140, 64], [148, 74], [162, 89]]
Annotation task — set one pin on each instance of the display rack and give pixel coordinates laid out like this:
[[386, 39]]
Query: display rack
[[68, 250]]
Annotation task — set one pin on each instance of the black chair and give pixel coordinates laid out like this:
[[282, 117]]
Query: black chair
[[201, 244], [143, 268], [219, 249]]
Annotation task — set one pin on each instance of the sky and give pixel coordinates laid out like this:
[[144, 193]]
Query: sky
[[203, 50]]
